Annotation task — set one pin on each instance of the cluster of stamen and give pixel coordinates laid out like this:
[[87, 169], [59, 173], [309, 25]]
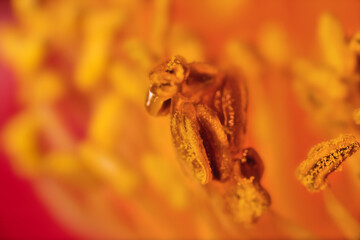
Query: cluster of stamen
[[208, 127]]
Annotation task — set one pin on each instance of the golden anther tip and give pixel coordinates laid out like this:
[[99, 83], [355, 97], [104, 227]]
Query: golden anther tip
[[356, 116], [324, 159], [247, 200]]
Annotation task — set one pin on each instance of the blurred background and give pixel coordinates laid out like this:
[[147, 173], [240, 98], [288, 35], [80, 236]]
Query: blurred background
[[81, 159]]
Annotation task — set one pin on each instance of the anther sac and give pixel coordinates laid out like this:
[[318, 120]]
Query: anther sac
[[323, 159]]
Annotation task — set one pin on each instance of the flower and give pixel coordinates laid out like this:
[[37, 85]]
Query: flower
[[80, 135]]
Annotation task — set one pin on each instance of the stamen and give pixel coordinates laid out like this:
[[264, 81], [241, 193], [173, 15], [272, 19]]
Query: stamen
[[324, 159]]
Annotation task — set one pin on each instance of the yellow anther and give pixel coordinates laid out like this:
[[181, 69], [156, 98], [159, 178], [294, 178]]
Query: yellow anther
[[20, 138], [356, 116], [332, 42], [108, 169], [274, 44], [323, 159], [62, 164], [106, 121], [246, 201]]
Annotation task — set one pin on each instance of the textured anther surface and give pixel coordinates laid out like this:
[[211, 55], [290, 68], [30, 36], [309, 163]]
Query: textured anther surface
[[247, 200], [324, 159], [185, 131]]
